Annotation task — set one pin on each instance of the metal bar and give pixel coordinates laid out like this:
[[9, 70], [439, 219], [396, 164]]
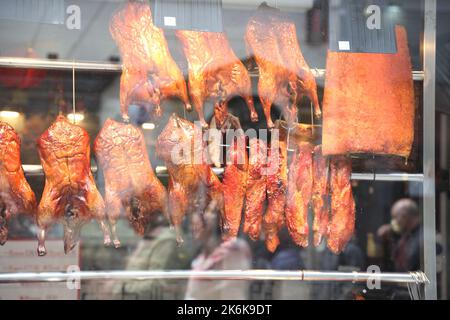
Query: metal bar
[[400, 176], [397, 176], [429, 120], [443, 203], [13, 62], [320, 74], [36, 169], [300, 275]]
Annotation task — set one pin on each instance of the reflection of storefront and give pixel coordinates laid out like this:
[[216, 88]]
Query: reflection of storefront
[[354, 130]]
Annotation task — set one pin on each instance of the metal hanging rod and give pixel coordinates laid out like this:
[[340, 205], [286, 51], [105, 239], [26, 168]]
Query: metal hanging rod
[[300, 275], [13, 62], [417, 177], [36, 170]]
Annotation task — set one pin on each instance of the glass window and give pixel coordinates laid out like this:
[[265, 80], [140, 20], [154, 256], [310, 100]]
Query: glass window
[[145, 142]]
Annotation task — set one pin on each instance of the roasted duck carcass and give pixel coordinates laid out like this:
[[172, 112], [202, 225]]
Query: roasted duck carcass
[[342, 224], [234, 187], [369, 102], [70, 195], [130, 183], [149, 73], [299, 193], [320, 196], [256, 195], [284, 76], [192, 184], [16, 196], [215, 73], [277, 181]]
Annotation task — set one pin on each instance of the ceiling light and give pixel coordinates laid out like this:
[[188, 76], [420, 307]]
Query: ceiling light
[[75, 117], [9, 114], [148, 126]]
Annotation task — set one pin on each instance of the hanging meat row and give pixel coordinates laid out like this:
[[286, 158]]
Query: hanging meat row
[[273, 186]]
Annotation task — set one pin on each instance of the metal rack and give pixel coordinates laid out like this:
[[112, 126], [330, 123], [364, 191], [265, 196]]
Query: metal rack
[[13, 62], [36, 170], [427, 278], [300, 275]]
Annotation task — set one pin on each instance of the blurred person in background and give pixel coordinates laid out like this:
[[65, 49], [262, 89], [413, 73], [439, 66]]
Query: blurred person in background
[[288, 256], [402, 241], [158, 250], [403, 236], [218, 255]]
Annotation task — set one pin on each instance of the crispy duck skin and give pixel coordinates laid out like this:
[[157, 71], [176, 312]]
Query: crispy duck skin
[[320, 196], [70, 195], [284, 76], [369, 102], [277, 181], [16, 196], [234, 187], [192, 184], [131, 186], [255, 196], [215, 73], [299, 193], [342, 224], [305, 82], [149, 74]]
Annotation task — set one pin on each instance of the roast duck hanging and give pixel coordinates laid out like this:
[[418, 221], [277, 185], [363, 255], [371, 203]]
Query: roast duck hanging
[[272, 186], [149, 73], [70, 195], [215, 73], [16, 196], [284, 75], [192, 183], [131, 186]]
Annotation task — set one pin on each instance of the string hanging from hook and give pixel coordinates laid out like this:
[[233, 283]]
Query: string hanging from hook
[[73, 92]]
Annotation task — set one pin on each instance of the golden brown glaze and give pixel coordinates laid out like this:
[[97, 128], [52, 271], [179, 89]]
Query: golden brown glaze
[[256, 193], [304, 81], [234, 187], [70, 195], [149, 73], [215, 73], [284, 76], [369, 102], [16, 196], [342, 224], [277, 180], [299, 193], [320, 193], [131, 186], [192, 184]]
